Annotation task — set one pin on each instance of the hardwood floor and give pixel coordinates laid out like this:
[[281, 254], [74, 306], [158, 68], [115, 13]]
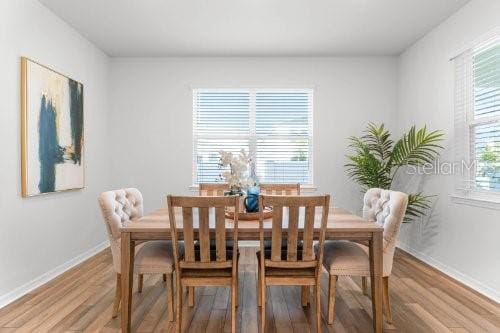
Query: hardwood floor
[[423, 300]]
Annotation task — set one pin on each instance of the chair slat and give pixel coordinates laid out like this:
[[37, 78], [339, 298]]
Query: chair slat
[[220, 234], [280, 189], [293, 223], [212, 189], [204, 235], [307, 237], [277, 270], [205, 269], [187, 221], [277, 233]]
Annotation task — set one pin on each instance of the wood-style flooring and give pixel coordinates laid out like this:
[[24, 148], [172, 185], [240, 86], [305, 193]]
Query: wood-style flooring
[[423, 300]]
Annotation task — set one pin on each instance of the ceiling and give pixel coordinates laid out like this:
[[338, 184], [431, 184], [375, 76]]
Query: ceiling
[[253, 27]]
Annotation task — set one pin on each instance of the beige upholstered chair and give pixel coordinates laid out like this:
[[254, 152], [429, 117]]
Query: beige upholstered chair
[[349, 258], [118, 207]]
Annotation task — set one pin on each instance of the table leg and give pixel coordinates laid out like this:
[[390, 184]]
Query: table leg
[[127, 272], [376, 257]]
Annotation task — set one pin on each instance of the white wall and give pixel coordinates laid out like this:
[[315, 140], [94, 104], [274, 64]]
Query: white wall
[[461, 240], [152, 113], [39, 234]]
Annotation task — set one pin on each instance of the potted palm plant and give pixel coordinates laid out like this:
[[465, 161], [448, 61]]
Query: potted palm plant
[[376, 158]]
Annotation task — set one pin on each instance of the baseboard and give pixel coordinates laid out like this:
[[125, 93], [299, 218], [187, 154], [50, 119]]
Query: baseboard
[[481, 288], [46, 277]]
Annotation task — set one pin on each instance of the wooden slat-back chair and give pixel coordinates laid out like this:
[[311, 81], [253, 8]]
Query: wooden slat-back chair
[[279, 189], [212, 189], [295, 265], [203, 266]]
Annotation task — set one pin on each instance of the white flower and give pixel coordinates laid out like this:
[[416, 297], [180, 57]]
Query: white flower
[[236, 176]]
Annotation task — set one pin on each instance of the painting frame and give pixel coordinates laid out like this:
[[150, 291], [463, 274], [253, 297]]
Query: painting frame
[[26, 115]]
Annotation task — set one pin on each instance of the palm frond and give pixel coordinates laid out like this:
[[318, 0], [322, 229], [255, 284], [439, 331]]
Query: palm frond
[[418, 205], [417, 147], [364, 168], [376, 158], [378, 140]]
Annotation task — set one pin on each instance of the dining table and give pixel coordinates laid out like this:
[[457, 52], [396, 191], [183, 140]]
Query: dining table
[[342, 225]]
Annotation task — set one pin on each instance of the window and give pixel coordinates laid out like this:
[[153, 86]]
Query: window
[[273, 126], [477, 117]]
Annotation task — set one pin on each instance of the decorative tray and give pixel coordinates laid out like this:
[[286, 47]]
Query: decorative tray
[[244, 216]]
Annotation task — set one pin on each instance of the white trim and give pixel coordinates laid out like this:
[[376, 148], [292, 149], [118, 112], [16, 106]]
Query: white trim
[[47, 276], [477, 199], [472, 283], [476, 43]]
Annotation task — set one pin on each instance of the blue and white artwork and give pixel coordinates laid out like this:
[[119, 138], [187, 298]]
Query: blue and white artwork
[[53, 141]]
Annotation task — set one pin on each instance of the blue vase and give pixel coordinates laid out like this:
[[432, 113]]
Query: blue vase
[[252, 200]]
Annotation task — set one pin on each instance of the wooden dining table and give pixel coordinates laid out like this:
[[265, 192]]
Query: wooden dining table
[[342, 225]]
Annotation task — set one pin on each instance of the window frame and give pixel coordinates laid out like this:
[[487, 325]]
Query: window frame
[[253, 137], [466, 189]]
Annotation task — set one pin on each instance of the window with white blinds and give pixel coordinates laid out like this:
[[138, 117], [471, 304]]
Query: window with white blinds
[[273, 126], [477, 115]]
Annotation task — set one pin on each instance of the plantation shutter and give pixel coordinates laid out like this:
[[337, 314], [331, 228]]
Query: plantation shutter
[[273, 126], [283, 136], [221, 122]]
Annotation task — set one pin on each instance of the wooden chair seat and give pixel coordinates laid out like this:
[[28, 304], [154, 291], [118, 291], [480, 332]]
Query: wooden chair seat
[[208, 273]]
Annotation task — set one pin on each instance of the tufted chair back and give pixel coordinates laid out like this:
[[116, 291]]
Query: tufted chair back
[[118, 207], [387, 208]]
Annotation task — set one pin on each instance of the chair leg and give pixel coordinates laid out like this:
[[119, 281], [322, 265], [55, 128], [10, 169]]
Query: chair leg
[[259, 286], [332, 288], [190, 297], [364, 285], [170, 296], [387, 303], [164, 277], [304, 295], [237, 287], [118, 295], [178, 303], [234, 302], [263, 306], [318, 306], [140, 282]]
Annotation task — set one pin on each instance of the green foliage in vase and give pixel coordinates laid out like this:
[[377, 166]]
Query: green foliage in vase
[[376, 158]]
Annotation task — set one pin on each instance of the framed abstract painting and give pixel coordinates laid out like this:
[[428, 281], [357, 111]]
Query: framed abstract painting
[[52, 140]]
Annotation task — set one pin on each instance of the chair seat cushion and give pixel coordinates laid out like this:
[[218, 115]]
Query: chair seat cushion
[[268, 243], [345, 258], [154, 257], [229, 245]]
